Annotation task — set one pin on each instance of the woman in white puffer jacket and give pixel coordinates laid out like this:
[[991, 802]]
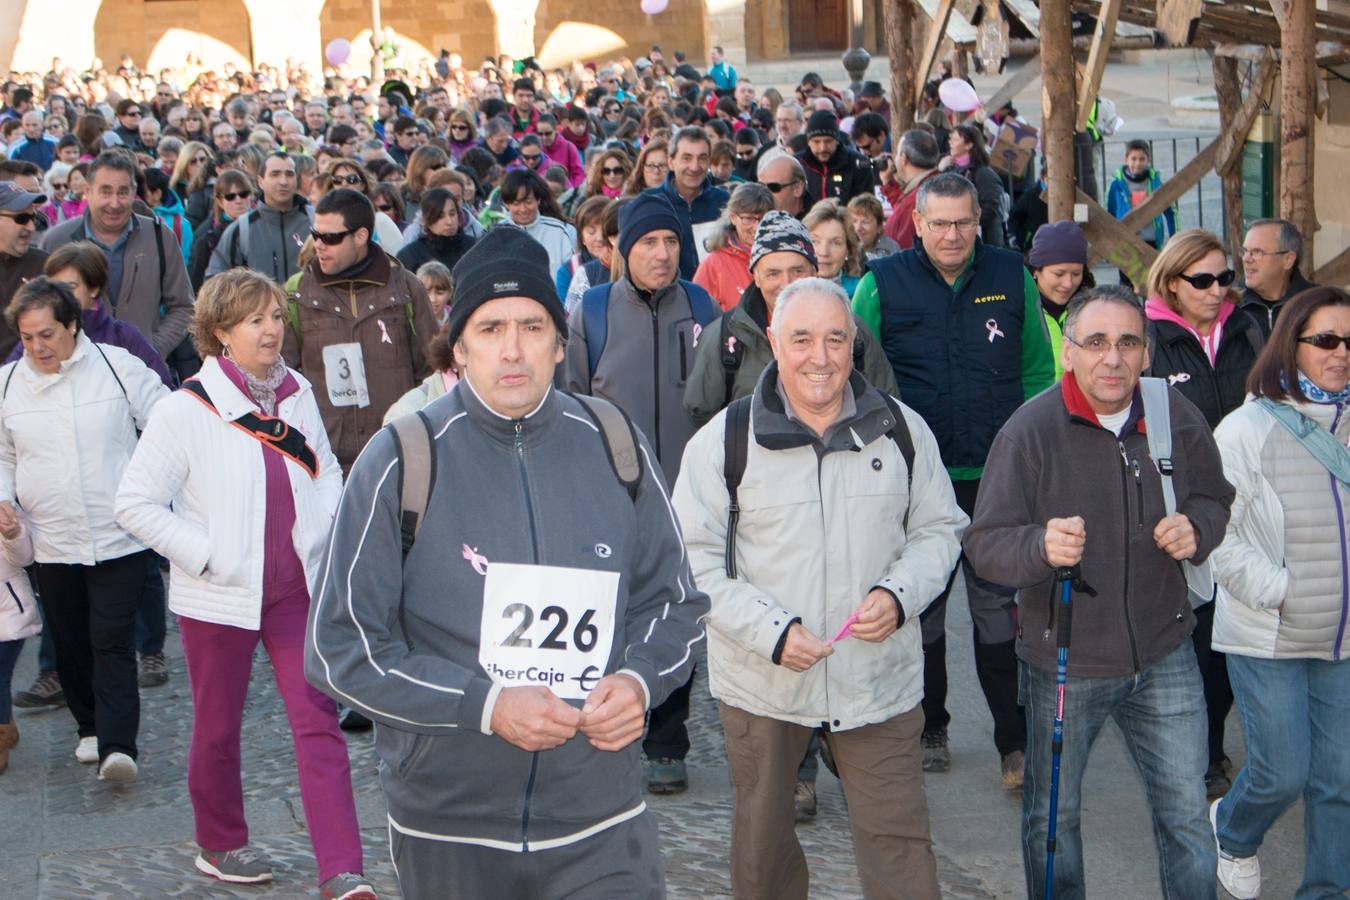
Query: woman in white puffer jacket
[[1284, 597]]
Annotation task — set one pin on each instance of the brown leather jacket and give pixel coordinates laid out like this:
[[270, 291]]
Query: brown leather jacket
[[379, 306]]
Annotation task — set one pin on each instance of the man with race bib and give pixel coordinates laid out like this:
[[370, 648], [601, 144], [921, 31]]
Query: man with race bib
[[509, 639]]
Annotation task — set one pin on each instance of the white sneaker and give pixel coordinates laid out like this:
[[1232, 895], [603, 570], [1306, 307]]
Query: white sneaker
[[118, 768], [1239, 875], [87, 751]]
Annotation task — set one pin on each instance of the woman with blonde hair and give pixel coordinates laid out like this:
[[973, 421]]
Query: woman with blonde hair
[[1205, 347], [725, 271], [609, 170], [191, 158], [838, 253], [421, 163], [235, 483]]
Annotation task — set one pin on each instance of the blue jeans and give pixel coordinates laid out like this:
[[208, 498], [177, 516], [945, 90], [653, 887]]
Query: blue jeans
[[9, 658], [1161, 713], [1296, 719], [150, 620]]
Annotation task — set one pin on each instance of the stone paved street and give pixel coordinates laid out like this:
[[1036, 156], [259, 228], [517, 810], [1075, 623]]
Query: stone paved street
[[64, 834]]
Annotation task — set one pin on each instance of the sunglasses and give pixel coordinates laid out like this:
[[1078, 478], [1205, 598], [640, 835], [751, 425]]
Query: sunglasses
[[385, 208], [531, 158], [58, 185], [409, 133], [1205, 280], [459, 126], [236, 195], [348, 179], [435, 167], [1326, 340], [198, 160], [745, 154], [546, 134], [778, 187], [612, 170], [20, 218], [331, 239]]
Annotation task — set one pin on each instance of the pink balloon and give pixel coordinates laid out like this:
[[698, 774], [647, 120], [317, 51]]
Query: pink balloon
[[958, 95], [338, 51], [653, 7]]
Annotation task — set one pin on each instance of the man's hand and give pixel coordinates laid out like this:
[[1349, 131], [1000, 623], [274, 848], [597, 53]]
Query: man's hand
[[802, 649], [615, 712], [1064, 540], [9, 521], [877, 617], [534, 718], [1175, 536]]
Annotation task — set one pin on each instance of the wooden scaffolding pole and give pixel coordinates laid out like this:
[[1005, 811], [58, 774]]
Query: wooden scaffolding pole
[[1096, 64], [1298, 102], [1227, 86], [900, 51], [936, 32], [1057, 106]]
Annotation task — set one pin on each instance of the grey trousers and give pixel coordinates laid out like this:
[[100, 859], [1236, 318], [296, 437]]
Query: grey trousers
[[619, 863]]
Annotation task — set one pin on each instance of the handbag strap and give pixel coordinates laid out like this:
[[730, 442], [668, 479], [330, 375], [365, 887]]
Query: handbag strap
[[1320, 443], [272, 432]]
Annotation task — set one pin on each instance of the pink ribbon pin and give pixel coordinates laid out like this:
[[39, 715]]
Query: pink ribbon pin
[[991, 326], [384, 332], [477, 560], [843, 631]]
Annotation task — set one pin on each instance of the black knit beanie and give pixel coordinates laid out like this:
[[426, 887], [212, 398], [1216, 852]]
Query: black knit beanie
[[505, 262]]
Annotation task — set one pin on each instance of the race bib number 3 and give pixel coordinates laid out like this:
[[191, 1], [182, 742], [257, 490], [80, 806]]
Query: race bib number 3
[[344, 370], [547, 625]]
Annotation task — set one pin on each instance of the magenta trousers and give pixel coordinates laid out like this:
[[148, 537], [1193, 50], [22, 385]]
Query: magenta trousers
[[219, 658]]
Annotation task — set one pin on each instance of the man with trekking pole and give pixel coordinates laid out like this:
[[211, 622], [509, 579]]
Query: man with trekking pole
[[1090, 476]]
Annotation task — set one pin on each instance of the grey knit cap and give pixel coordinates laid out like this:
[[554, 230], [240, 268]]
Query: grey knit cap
[[779, 231]]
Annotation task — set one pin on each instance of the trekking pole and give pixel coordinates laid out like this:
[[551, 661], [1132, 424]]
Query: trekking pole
[[1066, 576]]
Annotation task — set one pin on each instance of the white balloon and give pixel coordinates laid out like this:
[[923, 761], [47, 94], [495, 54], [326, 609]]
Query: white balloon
[[958, 96]]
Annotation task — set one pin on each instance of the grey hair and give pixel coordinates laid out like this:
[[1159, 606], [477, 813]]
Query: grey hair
[[1290, 239], [798, 173], [920, 148], [812, 286], [1106, 293], [948, 184], [794, 107]]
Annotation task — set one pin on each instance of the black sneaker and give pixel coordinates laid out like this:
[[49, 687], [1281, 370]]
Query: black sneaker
[[936, 755], [45, 691], [154, 670]]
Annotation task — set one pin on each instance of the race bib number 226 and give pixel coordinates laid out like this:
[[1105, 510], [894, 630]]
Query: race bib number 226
[[547, 625]]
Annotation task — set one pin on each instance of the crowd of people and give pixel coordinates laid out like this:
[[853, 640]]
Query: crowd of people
[[707, 364]]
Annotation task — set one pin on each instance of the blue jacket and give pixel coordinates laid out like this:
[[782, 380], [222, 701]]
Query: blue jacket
[[41, 152], [1119, 205], [170, 211], [707, 206], [965, 355]]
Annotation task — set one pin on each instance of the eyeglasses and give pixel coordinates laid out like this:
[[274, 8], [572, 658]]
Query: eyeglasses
[[963, 226], [656, 167], [1326, 340], [1258, 253], [612, 170], [745, 154], [19, 218], [353, 178], [232, 196], [1205, 280], [458, 126], [408, 133], [531, 158], [777, 187], [545, 135], [1128, 345], [332, 239], [58, 185], [747, 218]]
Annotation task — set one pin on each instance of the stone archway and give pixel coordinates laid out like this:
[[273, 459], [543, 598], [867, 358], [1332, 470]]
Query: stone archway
[[215, 30]]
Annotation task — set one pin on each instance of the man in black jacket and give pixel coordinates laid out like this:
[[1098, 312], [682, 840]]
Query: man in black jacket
[[1271, 253], [832, 169]]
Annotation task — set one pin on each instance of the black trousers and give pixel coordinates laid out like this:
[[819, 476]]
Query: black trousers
[[667, 735], [91, 612], [1214, 675], [995, 649]]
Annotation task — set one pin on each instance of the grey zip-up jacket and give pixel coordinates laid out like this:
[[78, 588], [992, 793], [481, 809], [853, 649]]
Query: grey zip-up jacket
[[1053, 459], [748, 323], [270, 242], [539, 490], [647, 358]]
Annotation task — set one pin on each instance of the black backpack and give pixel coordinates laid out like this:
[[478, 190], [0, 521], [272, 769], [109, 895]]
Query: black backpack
[[736, 445], [733, 353]]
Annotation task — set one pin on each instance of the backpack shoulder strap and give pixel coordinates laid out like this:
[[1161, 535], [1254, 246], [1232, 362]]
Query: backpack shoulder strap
[[417, 473], [1158, 427], [899, 433], [735, 448], [595, 319], [240, 248], [620, 440], [159, 250], [8, 379], [701, 303], [731, 351]]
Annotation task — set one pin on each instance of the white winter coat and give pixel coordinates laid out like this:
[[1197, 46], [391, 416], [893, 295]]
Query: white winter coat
[[814, 538], [213, 474], [18, 608], [65, 439], [1281, 569]]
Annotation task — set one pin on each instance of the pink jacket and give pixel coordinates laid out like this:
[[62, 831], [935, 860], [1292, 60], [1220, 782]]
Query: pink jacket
[[565, 154]]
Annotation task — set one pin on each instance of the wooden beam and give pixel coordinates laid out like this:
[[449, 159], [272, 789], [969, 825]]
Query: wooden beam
[[1298, 102], [936, 31], [1335, 272], [1117, 243], [1229, 89], [1026, 13], [1233, 135], [1177, 20], [1023, 77], [1172, 189], [1057, 106], [899, 23], [1096, 64]]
